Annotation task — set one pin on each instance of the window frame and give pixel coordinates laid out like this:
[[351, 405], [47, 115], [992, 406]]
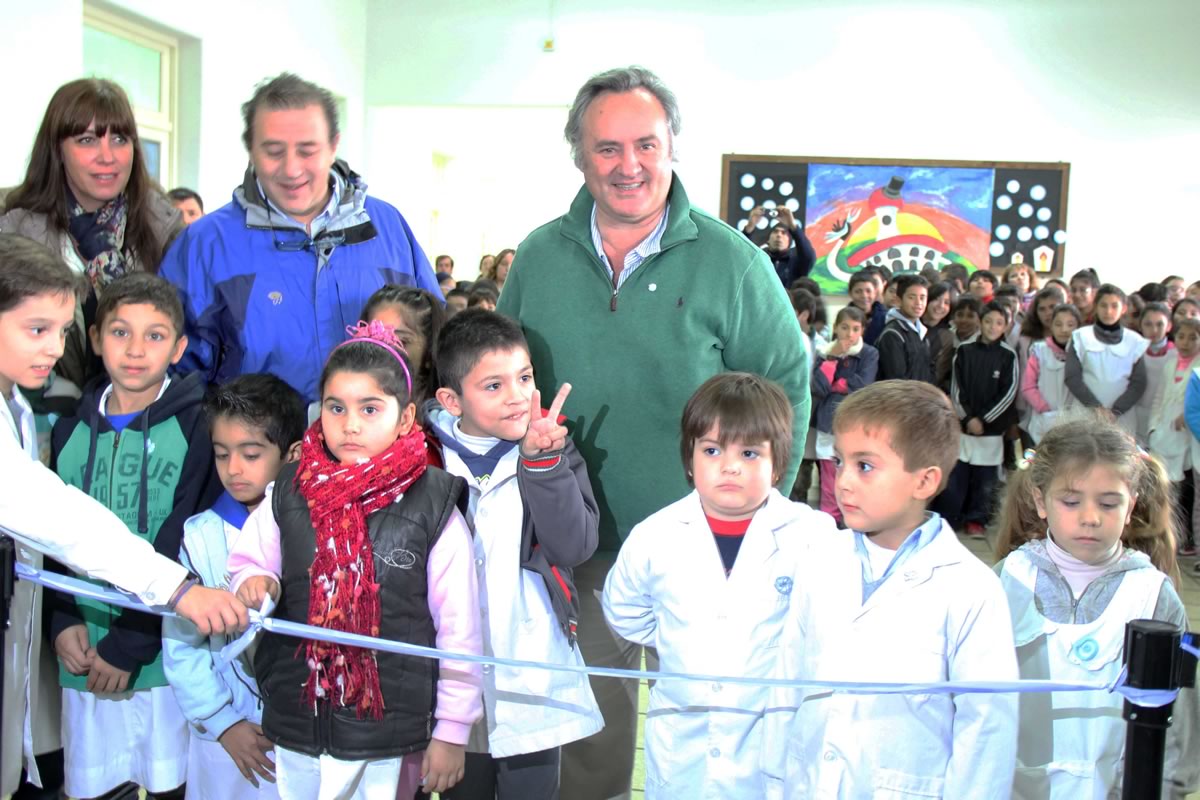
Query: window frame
[[159, 124]]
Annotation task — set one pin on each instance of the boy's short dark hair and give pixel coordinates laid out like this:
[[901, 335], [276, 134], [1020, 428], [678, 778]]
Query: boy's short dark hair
[[808, 284], [456, 292], [469, 336], [803, 300], [182, 194], [1113, 290], [818, 316], [862, 276], [746, 408], [29, 269], [916, 417], [907, 281], [1007, 290], [956, 272], [985, 275], [260, 400], [1087, 276], [137, 288], [996, 305], [481, 294], [968, 302]]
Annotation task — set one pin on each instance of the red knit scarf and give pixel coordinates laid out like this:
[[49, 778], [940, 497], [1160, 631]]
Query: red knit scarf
[[343, 595]]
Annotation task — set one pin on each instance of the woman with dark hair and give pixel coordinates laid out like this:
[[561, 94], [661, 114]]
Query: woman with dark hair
[[88, 197], [936, 318], [499, 269]]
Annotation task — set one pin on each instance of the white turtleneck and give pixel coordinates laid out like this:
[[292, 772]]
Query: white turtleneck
[[1079, 574]]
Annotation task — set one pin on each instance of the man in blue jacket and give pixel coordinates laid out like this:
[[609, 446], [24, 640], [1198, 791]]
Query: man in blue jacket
[[270, 281]]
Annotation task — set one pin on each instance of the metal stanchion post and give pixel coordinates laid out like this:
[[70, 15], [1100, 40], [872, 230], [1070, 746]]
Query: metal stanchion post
[[8, 580], [1152, 658]]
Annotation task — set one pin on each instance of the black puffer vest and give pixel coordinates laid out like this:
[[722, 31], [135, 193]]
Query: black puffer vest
[[402, 535]]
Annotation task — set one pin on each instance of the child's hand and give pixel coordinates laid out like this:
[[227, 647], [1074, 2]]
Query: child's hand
[[974, 426], [1180, 423], [104, 678], [443, 764], [256, 588], [72, 647], [545, 434], [246, 745]]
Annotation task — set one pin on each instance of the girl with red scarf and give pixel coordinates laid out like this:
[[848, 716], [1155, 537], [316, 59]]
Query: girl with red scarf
[[362, 536]]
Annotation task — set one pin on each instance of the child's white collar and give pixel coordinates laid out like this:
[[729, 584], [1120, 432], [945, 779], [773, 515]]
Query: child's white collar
[[107, 393]]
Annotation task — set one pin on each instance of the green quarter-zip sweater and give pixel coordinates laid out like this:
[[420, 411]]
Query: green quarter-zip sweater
[[154, 474], [708, 302]]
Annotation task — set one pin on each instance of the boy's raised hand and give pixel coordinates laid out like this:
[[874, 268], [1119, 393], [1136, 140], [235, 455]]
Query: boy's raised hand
[[545, 435]]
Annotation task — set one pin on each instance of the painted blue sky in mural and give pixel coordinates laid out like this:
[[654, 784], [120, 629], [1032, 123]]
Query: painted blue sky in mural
[[964, 192]]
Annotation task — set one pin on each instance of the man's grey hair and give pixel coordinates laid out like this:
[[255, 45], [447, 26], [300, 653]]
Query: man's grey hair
[[288, 91], [622, 79]]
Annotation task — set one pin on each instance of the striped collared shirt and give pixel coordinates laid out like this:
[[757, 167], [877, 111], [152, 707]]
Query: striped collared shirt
[[320, 221], [634, 258], [925, 533]]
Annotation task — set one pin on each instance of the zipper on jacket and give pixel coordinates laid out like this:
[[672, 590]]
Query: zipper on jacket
[[612, 304], [112, 468]]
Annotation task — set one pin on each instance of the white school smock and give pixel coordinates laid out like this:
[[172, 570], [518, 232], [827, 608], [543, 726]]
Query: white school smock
[[941, 615], [668, 589], [1160, 372], [526, 710], [1107, 367], [1173, 447], [1052, 383], [1084, 729]]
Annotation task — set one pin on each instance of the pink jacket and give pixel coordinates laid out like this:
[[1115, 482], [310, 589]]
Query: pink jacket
[[1029, 381], [453, 604]]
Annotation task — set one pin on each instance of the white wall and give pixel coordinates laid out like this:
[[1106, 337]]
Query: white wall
[[41, 48], [1107, 85], [455, 113], [230, 45]]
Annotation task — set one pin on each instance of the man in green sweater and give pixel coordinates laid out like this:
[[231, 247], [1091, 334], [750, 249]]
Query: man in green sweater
[[635, 298]]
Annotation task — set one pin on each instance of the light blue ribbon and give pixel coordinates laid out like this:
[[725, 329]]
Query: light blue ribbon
[[261, 621]]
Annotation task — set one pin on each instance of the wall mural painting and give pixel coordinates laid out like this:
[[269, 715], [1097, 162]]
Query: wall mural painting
[[906, 215]]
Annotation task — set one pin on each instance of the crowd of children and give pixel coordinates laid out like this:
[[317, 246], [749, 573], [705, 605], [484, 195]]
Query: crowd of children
[[1015, 356], [430, 499]]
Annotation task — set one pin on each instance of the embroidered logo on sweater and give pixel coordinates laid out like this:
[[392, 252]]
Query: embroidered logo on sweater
[[275, 297], [398, 558], [783, 585]]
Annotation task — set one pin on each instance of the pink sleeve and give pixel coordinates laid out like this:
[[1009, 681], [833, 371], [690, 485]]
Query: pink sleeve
[[256, 550], [1029, 386], [454, 605]]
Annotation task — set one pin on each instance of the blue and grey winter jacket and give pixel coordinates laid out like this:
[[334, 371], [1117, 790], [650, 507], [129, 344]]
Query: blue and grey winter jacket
[[212, 698], [260, 295]]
